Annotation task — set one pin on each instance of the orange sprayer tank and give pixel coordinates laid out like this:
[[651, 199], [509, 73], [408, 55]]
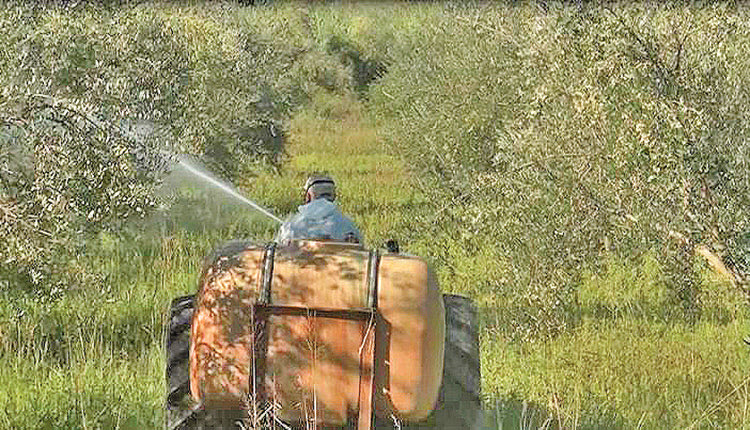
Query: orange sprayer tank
[[307, 339]]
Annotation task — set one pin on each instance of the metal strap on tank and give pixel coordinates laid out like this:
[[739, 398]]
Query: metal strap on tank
[[265, 287], [372, 279], [257, 370]]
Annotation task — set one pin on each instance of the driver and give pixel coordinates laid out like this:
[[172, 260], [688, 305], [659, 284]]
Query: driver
[[319, 217]]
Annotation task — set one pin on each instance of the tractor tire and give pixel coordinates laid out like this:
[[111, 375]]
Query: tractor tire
[[181, 411], [459, 404]]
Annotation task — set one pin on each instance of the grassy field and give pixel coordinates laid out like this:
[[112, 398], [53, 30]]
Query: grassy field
[[609, 339]]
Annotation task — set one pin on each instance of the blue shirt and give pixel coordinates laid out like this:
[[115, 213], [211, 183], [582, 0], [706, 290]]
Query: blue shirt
[[319, 219]]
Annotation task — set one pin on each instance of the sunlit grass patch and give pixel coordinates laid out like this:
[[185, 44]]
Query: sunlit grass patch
[[627, 288], [98, 390], [94, 357], [657, 375], [336, 136]]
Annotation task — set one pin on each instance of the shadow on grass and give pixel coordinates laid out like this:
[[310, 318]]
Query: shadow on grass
[[515, 414]]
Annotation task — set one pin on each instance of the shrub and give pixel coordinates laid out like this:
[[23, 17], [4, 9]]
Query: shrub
[[561, 138], [95, 99]]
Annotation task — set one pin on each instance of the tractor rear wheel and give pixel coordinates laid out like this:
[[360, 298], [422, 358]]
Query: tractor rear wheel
[[181, 411], [459, 404]]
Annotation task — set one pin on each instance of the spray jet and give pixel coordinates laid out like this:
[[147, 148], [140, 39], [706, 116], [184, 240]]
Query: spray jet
[[150, 160]]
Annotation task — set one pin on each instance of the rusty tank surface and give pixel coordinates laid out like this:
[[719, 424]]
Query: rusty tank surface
[[318, 334]]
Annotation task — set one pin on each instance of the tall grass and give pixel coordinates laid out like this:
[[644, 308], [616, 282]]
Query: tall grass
[[538, 160]]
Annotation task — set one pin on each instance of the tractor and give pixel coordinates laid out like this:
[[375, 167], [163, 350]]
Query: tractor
[[320, 334]]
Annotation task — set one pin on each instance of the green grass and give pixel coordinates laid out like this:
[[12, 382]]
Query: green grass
[[630, 374], [627, 364], [334, 135], [629, 353], [99, 389]]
